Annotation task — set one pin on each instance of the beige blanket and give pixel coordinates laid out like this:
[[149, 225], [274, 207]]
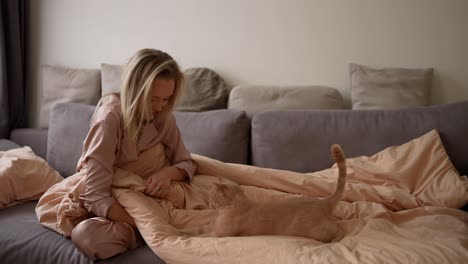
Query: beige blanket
[[398, 207]]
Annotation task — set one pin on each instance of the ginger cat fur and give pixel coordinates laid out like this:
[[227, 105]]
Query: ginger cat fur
[[302, 216]]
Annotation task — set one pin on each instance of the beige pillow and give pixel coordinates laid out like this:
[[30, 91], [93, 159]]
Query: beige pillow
[[24, 176], [62, 84], [385, 88], [255, 99], [111, 78]]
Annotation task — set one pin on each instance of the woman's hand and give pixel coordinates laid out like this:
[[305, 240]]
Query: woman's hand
[[159, 184]]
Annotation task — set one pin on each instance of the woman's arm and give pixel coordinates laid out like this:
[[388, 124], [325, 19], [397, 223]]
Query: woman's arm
[[183, 166], [175, 149], [99, 154]]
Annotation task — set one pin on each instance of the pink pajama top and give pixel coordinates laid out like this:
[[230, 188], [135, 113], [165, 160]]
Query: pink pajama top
[[106, 145]]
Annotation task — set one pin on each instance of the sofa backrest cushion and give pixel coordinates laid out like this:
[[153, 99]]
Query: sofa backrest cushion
[[221, 134], [301, 140], [35, 138], [68, 126], [218, 134]]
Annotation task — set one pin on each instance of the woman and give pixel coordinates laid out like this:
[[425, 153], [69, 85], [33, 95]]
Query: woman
[[123, 127]]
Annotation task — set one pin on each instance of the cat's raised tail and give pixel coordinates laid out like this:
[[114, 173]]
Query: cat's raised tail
[[340, 159]]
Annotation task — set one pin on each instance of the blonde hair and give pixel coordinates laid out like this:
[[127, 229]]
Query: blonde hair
[[135, 93]]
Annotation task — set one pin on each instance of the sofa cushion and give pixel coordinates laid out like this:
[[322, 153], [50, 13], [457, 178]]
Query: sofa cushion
[[24, 176], [111, 78], [69, 125], [218, 134], [26, 241], [35, 138], [204, 90], [63, 84], [386, 88], [300, 140], [255, 99]]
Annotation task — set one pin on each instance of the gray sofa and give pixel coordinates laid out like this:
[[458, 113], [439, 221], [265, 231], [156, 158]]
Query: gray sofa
[[292, 140]]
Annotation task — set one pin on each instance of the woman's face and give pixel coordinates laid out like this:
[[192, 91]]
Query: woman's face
[[161, 92]]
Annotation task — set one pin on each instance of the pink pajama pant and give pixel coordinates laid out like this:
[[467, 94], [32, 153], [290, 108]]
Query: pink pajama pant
[[101, 238]]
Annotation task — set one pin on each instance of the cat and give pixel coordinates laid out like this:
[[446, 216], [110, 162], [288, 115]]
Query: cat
[[301, 216]]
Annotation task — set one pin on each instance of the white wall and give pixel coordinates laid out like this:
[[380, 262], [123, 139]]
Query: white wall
[[278, 42]]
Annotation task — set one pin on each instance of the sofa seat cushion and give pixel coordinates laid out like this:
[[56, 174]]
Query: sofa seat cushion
[[24, 240], [301, 140]]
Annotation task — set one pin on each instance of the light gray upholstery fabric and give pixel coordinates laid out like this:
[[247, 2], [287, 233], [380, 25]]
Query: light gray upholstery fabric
[[35, 138], [254, 99], [6, 144], [389, 88], [218, 134], [24, 240], [69, 125], [139, 255], [301, 140], [204, 90]]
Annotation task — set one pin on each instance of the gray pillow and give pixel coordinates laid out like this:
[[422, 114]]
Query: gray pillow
[[204, 90], [63, 85], [69, 125], [218, 134], [385, 88]]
